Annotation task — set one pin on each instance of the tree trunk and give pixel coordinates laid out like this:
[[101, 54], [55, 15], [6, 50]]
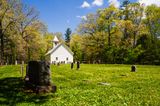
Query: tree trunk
[[109, 36], [125, 34], [29, 54], [2, 43], [134, 39]]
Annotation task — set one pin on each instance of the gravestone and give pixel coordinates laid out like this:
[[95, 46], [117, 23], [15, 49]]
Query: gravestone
[[78, 65], [133, 68], [38, 77], [58, 64], [72, 64]]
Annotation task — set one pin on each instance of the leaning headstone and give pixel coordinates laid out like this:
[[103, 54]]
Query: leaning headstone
[[78, 65], [72, 64], [133, 68], [38, 76]]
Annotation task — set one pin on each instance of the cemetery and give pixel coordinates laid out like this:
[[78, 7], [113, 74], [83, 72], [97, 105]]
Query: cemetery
[[91, 84], [79, 53]]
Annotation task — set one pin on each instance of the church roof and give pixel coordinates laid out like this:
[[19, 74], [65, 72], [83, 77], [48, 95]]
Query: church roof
[[61, 44]]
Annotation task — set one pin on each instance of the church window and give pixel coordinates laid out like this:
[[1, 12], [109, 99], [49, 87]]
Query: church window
[[56, 58]]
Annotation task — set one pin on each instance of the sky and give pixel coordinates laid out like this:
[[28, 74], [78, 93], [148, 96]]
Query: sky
[[59, 15]]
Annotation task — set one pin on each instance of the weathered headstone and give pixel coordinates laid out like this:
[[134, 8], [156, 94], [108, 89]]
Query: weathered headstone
[[15, 62], [58, 64], [39, 77], [133, 68], [78, 65], [72, 64]]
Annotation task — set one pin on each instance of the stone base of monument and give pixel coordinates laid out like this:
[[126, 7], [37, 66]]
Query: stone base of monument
[[45, 89], [38, 77]]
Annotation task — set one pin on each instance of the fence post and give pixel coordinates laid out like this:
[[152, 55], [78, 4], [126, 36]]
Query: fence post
[[22, 68]]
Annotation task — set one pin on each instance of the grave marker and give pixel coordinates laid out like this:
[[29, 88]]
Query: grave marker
[[133, 68], [38, 77], [78, 65], [72, 65]]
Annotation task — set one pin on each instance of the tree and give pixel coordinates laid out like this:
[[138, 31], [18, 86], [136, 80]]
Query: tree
[[7, 19], [149, 40], [136, 11], [19, 25], [48, 38], [29, 18], [121, 35], [152, 21], [68, 36], [107, 21], [76, 47], [94, 40], [34, 39], [125, 16]]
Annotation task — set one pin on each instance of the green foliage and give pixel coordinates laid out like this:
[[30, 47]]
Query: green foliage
[[83, 87], [127, 35], [152, 20], [107, 22], [20, 32], [76, 47], [68, 36], [121, 35]]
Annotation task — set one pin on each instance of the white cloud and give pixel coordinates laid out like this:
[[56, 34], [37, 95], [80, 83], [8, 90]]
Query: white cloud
[[116, 3], [149, 2], [82, 17], [97, 3], [85, 5]]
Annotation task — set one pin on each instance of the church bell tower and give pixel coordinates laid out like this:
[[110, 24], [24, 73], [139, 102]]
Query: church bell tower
[[55, 41]]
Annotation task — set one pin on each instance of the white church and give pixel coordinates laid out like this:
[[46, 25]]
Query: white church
[[60, 53]]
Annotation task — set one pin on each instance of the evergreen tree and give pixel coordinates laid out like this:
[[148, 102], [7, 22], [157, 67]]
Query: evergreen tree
[[68, 36]]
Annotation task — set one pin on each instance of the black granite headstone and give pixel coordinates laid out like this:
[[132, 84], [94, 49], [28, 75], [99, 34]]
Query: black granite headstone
[[78, 65], [38, 77], [133, 68], [72, 64]]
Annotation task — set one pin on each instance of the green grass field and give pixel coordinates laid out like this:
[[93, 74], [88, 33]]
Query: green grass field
[[92, 85]]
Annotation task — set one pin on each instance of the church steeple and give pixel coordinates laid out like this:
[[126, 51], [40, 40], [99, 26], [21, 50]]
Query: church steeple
[[55, 41]]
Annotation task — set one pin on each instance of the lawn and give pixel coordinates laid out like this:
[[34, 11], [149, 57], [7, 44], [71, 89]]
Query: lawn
[[92, 85]]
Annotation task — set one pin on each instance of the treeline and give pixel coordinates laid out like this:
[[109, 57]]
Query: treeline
[[23, 36], [126, 35]]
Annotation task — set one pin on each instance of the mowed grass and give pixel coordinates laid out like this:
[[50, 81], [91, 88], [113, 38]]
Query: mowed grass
[[92, 85]]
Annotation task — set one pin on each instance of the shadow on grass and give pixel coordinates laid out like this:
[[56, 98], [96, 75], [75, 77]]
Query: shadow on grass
[[12, 93]]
